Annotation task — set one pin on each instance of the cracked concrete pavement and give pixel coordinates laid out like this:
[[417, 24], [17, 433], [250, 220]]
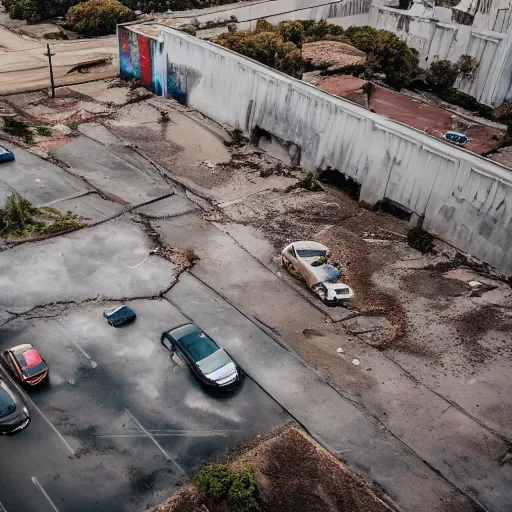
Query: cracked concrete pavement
[[420, 449]]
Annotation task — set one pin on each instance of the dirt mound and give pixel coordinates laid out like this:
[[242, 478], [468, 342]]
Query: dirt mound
[[294, 474]]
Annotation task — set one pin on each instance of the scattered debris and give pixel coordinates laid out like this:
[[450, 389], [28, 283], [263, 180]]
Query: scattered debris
[[310, 183], [340, 350], [237, 139], [164, 117], [356, 362]]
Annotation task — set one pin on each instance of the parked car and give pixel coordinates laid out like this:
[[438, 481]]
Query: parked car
[[6, 155], [119, 316], [14, 415], [209, 363], [26, 365], [456, 138], [308, 261]]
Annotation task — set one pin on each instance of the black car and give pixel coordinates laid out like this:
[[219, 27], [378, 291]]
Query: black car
[[209, 363], [14, 415], [119, 315]]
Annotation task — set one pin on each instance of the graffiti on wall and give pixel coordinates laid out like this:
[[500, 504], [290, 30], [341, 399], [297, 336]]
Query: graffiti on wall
[[141, 58]]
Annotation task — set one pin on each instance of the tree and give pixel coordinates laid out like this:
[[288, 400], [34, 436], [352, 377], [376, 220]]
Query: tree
[[387, 54], [98, 17], [442, 75], [292, 31], [267, 48]]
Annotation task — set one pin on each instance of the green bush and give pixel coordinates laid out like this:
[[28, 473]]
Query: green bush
[[37, 10], [98, 17], [267, 48], [18, 128], [292, 31], [237, 488], [442, 75], [386, 54]]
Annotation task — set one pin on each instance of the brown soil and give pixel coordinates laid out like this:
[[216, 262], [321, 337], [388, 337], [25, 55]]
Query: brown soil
[[473, 325], [293, 474], [432, 285]]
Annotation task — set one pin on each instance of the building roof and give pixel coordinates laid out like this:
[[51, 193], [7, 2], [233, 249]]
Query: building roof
[[332, 54], [428, 118]]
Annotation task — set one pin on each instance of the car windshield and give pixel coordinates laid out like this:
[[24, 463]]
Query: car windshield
[[197, 345], [310, 253], [7, 405]]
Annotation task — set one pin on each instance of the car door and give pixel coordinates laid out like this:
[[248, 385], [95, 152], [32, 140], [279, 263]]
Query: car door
[[176, 354]]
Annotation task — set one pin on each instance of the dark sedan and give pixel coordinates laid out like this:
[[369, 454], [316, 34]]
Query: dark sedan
[[119, 316], [26, 365], [209, 363], [14, 415]]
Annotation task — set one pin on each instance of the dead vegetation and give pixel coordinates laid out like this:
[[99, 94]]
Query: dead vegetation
[[182, 258], [322, 483], [20, 219]]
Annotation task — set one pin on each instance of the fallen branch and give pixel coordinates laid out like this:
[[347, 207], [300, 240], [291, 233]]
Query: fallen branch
[[391, 232]]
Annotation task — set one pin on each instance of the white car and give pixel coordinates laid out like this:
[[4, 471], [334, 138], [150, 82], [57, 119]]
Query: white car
[[308, 260]]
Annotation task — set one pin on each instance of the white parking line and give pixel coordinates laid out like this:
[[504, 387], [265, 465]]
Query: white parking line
[[170, 433], [165, 454], [2, 508], [40, 487], [94, 364], [29, 400]]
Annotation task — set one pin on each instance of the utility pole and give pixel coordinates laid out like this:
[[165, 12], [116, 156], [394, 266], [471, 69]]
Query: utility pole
[[49, 54]]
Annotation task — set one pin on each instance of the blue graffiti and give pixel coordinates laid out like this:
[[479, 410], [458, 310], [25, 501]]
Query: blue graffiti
[[176, 83]]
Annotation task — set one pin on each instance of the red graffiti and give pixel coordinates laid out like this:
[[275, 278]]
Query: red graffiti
[[145, 61], [124, 41]]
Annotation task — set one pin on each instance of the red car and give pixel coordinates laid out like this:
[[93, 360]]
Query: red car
[[25, 364]]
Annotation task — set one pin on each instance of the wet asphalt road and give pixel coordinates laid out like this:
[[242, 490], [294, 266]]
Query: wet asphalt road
[[120, 425]]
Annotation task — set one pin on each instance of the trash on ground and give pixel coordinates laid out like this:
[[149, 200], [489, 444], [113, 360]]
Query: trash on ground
[[356, 362], [340, 350]]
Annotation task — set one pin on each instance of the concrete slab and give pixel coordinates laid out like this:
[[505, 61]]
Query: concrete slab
[[36, 179], [168, 207], [99, 92], [358, 441], [122, 176], [99, 133], [4, 316], [90, 207], [110, 260]]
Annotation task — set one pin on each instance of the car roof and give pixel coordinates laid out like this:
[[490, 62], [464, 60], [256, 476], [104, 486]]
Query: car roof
[[307, 245], [194, 341]]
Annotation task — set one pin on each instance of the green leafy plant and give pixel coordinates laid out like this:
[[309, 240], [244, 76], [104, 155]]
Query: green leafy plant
[[18, 128], [442, 75], [98, 17], [310, 183], [19, 218], [237, 488], [267, 48], [44, 131]]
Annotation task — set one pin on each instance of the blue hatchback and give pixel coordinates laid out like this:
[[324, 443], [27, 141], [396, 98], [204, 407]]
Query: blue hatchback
[[120, 315], [6, 155]]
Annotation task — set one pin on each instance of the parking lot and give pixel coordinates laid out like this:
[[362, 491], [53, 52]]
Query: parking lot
[[120, 423], [120, 426]]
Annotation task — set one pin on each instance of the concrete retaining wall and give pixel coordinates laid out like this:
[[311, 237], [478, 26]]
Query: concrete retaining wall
[[465, 199], [424, 30]]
